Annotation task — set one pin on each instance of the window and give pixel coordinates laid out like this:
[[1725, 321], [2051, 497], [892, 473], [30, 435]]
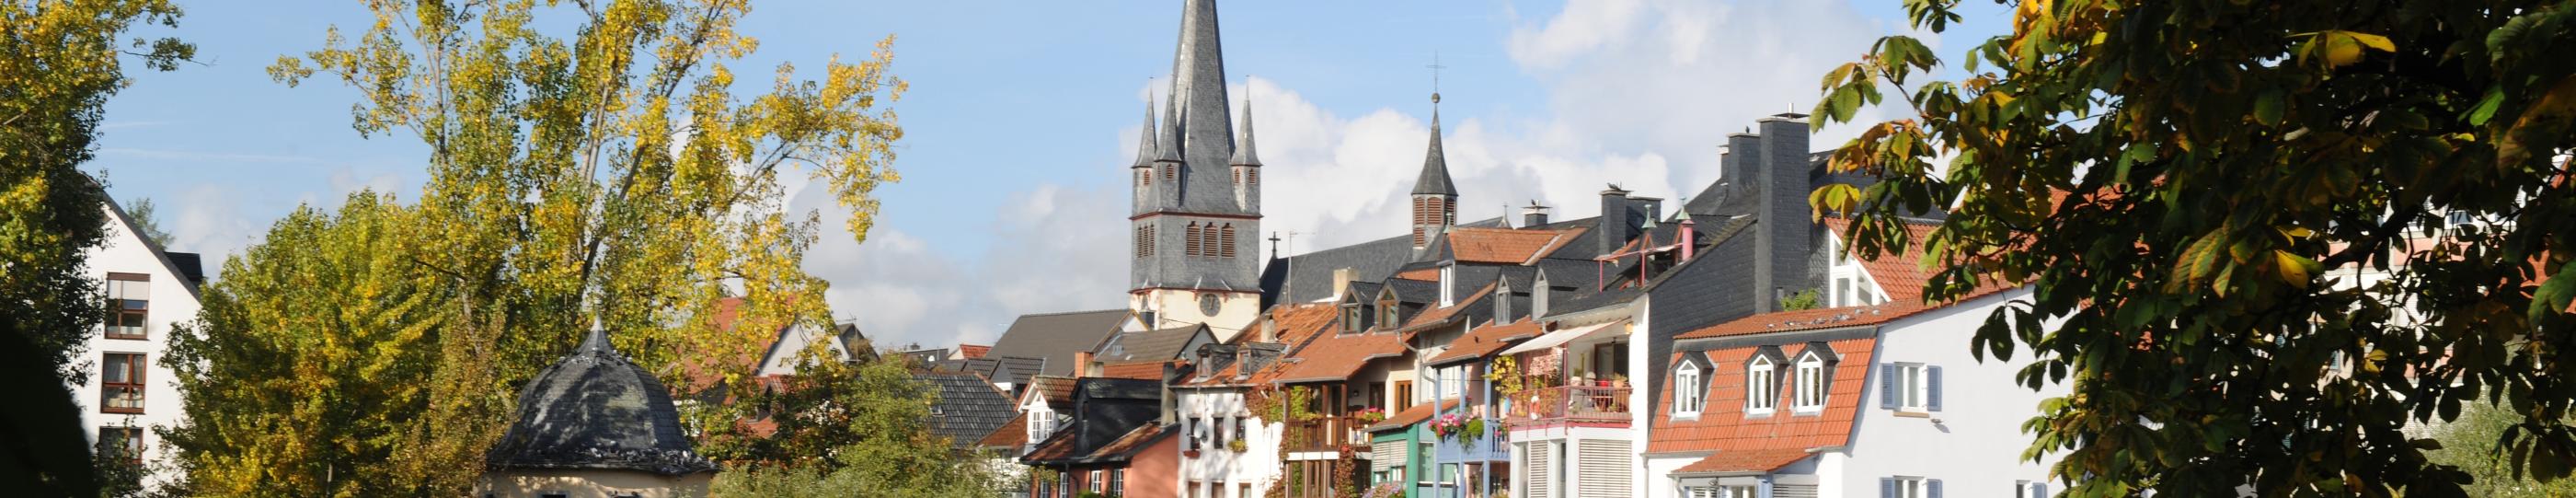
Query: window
[[1736, 492], [125, 439], [1252, 175], [1351, 317], [129, 298], [1908, 487], [1811, 383], [1169, 171], [2030, 489], [1041, 425], [1449, 280], [1386, 312], [1207, 241], [1144, 178], [1403, 395], [1910, 387], [121, 383], [1688, 393], [1843, 292], [1225, 242], [1761, 386], [1117, 481], [1144, 241], [1190, 239]]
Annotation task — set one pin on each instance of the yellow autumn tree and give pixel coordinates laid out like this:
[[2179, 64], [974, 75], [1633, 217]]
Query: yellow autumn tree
[[613, 176]]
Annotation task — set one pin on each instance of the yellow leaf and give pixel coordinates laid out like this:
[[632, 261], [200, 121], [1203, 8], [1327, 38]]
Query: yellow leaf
[[2295, 269]]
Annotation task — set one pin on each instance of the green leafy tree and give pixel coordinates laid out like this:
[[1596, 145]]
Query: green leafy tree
[[2469, 443], [2189, 185], [848, 429], [147, 219], [310, 366], [612, 177], [59, 62]]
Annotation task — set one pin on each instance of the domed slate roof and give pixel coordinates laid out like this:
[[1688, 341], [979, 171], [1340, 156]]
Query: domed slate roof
[[596, 410]]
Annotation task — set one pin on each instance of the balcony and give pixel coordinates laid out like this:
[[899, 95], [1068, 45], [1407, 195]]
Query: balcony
[[1489, 444], [1585, 404], [1326, 434]]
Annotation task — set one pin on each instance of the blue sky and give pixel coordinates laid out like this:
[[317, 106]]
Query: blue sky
[[1023, 114]]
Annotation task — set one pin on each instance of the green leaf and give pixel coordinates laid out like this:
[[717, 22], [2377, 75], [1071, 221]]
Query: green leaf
[[2267, 107], [2487, 107], [2553, 296]]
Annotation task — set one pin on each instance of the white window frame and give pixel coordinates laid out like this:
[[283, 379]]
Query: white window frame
[[1912, 487], [1811, 383], [1738, 492], [1690, 394], [1913, 388], [1761, 386]]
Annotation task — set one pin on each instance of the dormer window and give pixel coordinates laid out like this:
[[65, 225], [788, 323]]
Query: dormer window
[[1811, 383], [1689, 394], [1761, 386], [1448, 283], [1386, 311], [1351, 318]]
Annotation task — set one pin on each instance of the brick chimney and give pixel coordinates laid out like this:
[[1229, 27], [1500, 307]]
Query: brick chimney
[[1534, 215], [1342, 281], [1785, 234], [1081, 364]]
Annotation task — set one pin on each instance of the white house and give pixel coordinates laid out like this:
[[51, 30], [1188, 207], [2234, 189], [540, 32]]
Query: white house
[[129, 392]]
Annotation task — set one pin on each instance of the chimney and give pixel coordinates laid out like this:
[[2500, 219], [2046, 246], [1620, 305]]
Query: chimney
[[1689, 234], [1743, 152], [1611, 230], [1785, 234], [1342, 281], [1534, 215], [1081, 364]]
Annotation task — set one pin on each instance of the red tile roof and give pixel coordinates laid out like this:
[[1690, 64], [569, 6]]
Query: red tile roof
[[1337, 356], [1901, 275], [1410, 416], [1298, 323], [1764, 460], [1134, 440], [1142, 370], [1722, 427], [1486, 340], [1436, 315], [1057, 390], [1058, 446], [1422, 274], [1505, 245], [973, 351], [1011, 434], [1820, 318]]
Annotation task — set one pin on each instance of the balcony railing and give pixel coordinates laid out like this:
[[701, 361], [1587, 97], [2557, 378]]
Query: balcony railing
[[1325, 434], [1571, 403]]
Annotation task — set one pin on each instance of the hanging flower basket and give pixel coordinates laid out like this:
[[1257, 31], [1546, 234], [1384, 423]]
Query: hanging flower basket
[[1238, 445]]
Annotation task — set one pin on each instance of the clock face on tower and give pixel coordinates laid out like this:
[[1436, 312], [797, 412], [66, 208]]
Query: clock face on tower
[[1208, 304]]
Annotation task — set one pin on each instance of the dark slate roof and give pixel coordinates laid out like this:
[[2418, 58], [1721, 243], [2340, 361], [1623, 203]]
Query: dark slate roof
[[1015, 370], [595, 410], [1243, 153], [1435, 165], [1145, 150], [1198, 133], [1310, 275], [1152, 345], [968, 408], [1055, 337], [188, 266], [1416, 291]]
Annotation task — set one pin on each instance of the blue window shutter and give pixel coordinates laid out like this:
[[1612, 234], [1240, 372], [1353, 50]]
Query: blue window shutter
[[2039, 490], [1932, 388], [1887, 487], [1887, 389], [1932, 488]]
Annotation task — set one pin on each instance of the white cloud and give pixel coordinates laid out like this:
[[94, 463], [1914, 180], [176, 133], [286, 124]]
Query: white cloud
[[1640, 93], [207, 222]]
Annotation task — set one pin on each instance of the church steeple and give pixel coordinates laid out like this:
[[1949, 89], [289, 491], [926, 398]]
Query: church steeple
[[1198, 209], [1434, 198]]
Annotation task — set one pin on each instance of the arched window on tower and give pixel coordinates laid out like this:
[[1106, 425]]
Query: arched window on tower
[[1207, 241], [1144, 178], [1190, 240], [1225, 241], [1169, 171]]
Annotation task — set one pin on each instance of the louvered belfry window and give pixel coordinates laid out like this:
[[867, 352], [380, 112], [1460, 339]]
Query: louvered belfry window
[[1207, 241], [1225, 241], [1190, 240]]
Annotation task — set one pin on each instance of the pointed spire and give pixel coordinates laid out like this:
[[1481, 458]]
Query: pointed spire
[[1168, 147], [1145, 152], [1435, 164], [598, 340], [1198, 91], [1243, 154]]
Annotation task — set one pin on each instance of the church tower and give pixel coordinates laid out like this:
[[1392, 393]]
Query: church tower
[[1435, 201], [1198, 196]]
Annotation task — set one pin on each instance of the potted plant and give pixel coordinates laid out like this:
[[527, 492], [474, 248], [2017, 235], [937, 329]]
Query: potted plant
[[1238, 445], [1371, 415]]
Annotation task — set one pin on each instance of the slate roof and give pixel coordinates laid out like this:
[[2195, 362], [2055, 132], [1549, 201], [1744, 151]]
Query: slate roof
[[1310, 275], [1434, 179], [1486, 340], [1721, 425], [1055, 337], [1439, 315], [595, 410], [1409, 416], [1007, 369], [1152, 345], [969, 408]]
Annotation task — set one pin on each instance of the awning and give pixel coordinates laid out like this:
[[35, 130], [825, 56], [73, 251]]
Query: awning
[[1554, 339]]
